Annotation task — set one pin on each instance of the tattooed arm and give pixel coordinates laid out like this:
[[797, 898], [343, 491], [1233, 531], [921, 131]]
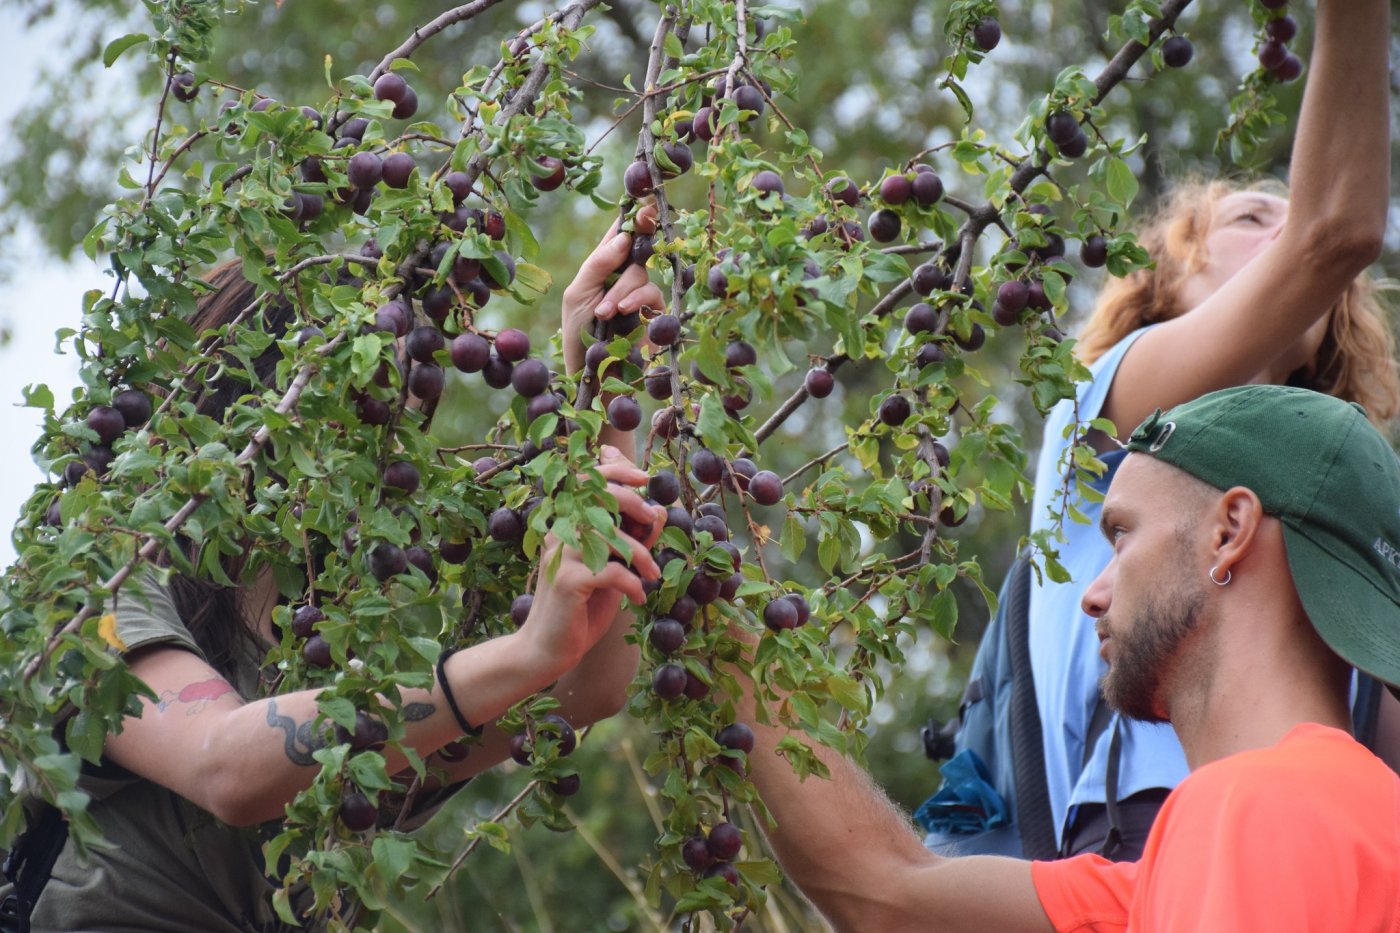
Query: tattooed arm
[[244, 761]]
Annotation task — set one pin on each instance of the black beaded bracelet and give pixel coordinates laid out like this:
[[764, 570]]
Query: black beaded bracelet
[[467, 728]]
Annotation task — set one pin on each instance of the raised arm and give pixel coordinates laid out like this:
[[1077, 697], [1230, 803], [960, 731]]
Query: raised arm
[[855, 855], [597, 684], [244, 762], [1250, 326]]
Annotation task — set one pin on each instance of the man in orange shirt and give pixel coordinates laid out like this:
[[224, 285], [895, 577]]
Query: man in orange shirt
[[1256, 537]]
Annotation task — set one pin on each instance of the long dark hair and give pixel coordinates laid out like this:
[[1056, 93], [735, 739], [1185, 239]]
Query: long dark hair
[[215, 614]]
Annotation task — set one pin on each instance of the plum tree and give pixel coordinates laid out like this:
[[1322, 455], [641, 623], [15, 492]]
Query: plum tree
[[392, 248]]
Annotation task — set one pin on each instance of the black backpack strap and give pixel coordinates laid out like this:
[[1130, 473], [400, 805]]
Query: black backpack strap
[[1098, 723], [1033, 817], [1365, 713], [30, 863], [1114, 837]]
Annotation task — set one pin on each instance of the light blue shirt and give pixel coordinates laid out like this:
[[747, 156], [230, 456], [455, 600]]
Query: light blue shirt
[[1064, 649]]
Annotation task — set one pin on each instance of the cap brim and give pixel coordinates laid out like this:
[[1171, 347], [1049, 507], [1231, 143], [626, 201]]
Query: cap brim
[[1355, 619]]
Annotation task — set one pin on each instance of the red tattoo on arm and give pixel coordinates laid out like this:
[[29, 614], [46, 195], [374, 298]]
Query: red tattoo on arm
[[196, 694]]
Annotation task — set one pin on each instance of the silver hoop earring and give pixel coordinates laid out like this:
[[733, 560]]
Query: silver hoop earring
[[1226, 582]]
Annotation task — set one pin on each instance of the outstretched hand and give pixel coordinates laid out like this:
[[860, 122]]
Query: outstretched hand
[[574, 609], [589, 298]]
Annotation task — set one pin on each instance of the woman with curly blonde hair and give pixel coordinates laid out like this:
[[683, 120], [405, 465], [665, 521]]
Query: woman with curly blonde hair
[[1355, 359]]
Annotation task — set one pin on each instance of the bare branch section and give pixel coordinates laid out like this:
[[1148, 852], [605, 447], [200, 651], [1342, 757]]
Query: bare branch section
[[423, 33], [499, 815]]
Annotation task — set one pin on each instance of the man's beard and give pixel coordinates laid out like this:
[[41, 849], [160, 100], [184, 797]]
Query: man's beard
[[1144, 650]]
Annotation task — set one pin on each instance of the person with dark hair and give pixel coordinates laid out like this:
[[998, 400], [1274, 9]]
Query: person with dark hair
[[187, 790], [1255, 560], [1246, 287]]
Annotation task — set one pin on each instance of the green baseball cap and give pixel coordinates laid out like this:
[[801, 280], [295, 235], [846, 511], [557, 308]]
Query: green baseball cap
[[1331, 479]]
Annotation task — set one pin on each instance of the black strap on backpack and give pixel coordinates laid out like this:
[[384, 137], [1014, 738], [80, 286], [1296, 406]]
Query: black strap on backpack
[[1114, 837], [29, 865], [1098, 724], [1365, 713], [1033, 817]]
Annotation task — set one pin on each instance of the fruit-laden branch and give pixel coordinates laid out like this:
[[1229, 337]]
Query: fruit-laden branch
[[741, 54], [173, 524], [646, 142], [201, 354], [525, 94], [982, 216], [525, 33], [1113, 74], [1117, 69]]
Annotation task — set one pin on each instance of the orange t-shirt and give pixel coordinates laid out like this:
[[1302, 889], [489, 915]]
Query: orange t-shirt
[[1304, 835]]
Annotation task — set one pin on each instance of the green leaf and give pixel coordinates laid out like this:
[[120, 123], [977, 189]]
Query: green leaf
[[943, 613], [532, 278], [338, 709], [848, 693], [85, 735], [117, 46], [38, 396], [495, 834], [394, 855], [1122, 183], [712, 420], [794, 537]]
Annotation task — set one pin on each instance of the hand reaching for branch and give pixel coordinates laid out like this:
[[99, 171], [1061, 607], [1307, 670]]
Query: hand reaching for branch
[[574, 609], [590, 298]]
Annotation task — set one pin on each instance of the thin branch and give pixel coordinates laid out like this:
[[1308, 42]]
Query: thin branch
[[882, 307], [155, 134], [423, 33], [179, 150], [907, 248], [471, 846], [815, 461]]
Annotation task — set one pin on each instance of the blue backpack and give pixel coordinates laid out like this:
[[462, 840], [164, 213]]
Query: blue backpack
[[994, 799]]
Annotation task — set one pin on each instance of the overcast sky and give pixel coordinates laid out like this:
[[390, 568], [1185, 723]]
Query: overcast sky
[[41, 297]]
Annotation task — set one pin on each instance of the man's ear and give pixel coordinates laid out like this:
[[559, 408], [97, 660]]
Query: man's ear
[[1237, 516]]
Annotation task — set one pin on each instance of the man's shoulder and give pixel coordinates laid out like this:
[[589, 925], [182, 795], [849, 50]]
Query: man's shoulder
[[1311, 759]]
